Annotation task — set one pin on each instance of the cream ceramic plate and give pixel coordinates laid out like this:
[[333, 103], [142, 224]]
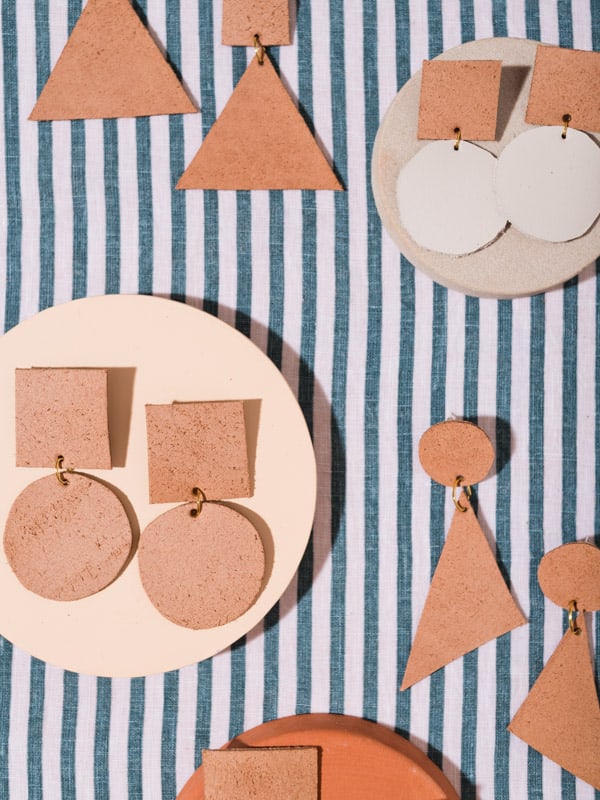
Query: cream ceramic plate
[[158, 351], [515, 264]]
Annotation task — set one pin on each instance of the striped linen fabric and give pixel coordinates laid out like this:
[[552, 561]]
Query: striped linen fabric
[[376, 353]]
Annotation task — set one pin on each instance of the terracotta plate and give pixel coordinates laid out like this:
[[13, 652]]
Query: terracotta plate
[[359, 759]]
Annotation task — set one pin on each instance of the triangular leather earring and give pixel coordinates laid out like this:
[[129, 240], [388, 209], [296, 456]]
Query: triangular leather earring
[[110, 67], [468, 602], [260, 140], [560, 717]]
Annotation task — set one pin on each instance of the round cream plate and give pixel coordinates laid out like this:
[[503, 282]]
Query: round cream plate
[[514, 264], [157, 351]]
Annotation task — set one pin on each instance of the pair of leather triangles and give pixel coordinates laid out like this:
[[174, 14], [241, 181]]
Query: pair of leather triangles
[[111, 67], [468, 602]]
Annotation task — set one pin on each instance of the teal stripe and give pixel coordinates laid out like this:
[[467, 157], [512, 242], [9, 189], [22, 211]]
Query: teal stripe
[[211, 202], [595, 14], [6, 653], [536, 517], [243, 311], [437, 531], [13, 154], [168, 751], [203, 709], [435, 30], [145, 206], [35, 727], [80, 211], [471, 660], [467, 22], [372, 377], [68, 733], [337, 621], [135, 737], [500, 22], [113, 206], [569, 409], [78, 188], [404, 484], [102, 738], [532, 19], [237, 691], [307, 353], [569, 444], [144, 187], [274, 352], [177, 162], [565, 29], [45, 178], [503, 540], [404, 418]]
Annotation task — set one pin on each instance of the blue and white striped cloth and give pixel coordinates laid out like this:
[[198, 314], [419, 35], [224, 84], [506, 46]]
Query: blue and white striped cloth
[[376, 353]]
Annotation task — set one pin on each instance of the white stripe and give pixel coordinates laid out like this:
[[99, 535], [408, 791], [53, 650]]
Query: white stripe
[[419, 34], [582, 25], [85, 737], [548, 22], [95, 188], [18, 724], [484, 23], [387, 688], [152, 737], [28, 167], [451, 24], [220, 700], [356, 363], [118, 742], [516, 19], [261, 279], [128, 205], [288, 642], [52, 732], [186, 724], [254, 678]]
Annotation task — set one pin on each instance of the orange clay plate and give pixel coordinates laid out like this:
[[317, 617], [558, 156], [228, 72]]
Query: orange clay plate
[[359, 759]]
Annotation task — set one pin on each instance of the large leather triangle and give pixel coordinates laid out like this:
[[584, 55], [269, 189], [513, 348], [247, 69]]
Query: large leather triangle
[[560, 716], [468, 602], [110, 67], [259, 141]]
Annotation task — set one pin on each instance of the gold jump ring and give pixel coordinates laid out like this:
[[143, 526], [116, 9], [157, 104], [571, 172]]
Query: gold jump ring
[[458, 138], [60, 472], [200, 499], [259, 50], [457, 483], [572, 619]]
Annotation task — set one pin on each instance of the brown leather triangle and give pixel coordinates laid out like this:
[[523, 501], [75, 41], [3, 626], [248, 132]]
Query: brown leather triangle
[[259, 141], [110, 67], [468, 602], [560, 716]]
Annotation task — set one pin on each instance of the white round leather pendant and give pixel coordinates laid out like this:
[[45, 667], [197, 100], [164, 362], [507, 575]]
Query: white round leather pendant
[[446, 198], [549, 187]]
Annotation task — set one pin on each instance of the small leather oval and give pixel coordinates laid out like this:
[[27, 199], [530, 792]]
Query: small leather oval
[[572, 572], [456, 447]]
